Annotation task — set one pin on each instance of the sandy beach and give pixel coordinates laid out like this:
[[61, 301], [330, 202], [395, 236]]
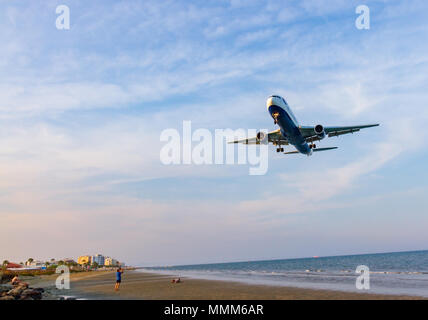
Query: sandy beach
[[150, 286]]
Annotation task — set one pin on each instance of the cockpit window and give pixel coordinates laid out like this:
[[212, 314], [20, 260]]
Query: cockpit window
[[285, 102], [281, 98]]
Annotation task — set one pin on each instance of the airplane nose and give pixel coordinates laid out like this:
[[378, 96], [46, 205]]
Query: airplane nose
[[269, 102]]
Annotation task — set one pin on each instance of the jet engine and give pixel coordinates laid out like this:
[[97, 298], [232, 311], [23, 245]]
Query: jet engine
[[260, 136], [319, 131]]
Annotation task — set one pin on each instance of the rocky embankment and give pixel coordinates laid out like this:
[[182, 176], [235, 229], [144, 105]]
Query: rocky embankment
[[20, 291]]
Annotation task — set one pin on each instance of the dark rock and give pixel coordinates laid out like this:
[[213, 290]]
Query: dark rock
[[16, 292], [6, 278], [6, 287], [21, 285], [39, 289], [31, 293], [7, 298]]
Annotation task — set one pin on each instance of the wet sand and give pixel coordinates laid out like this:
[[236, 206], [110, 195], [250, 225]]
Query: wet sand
[[150, 286]]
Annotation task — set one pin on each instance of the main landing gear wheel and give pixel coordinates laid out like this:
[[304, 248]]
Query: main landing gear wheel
[[312, 146], [279, 149]]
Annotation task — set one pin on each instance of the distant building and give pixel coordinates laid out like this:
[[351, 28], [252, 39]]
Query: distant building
[[35, 264], [110, 262], [12, 265], [84, 260], [69, 261], [99, 259]]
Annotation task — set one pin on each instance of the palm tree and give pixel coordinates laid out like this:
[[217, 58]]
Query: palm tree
[[4, 266], [30, 260]]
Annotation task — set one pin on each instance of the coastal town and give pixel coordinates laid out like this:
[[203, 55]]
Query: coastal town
[[82, 263], [16, 278]]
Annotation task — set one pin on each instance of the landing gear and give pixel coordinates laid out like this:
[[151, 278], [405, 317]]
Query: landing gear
[[275, 117], [280, 149], [313, 146]]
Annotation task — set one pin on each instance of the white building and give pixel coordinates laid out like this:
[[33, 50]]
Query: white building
[[35, 264], [99, 259]]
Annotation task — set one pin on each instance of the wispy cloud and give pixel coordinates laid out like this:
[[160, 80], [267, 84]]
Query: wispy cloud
[[81, 112]]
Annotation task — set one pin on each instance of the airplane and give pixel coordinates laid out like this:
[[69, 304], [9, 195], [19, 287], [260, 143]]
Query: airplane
[[290, 132]]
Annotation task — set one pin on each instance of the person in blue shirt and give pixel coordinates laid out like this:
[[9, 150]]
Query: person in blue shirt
[[119, 272]]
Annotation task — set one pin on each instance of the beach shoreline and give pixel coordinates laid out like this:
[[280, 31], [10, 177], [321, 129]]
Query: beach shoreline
[[137, 285]]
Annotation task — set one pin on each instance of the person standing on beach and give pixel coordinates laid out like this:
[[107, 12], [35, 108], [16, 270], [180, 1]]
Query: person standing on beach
[[119, 272]]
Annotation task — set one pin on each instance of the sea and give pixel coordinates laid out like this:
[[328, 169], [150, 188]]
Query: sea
[[402, 273]]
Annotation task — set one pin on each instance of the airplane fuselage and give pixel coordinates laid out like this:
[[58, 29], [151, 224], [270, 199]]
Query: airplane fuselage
[[287, 122]]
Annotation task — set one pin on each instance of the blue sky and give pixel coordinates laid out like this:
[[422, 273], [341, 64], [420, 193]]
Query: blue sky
[[81, 112]]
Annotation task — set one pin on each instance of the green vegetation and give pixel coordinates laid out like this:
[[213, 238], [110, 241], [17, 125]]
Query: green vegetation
[[4, 265]]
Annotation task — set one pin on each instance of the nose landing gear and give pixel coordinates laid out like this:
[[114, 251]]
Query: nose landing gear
[[275, 116]]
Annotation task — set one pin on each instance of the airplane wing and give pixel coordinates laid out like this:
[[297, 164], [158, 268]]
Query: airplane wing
[[309, 134], [273, 136]]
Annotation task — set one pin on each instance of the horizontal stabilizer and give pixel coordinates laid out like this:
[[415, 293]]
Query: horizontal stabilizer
[[323, 149], [314, 150]]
